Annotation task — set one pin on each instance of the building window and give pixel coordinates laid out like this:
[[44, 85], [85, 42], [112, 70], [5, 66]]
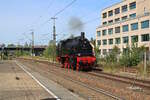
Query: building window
[[104, 32], [117, 19], [110, 13], [104, 15], [124, 8], [98, 33], [133, 5], [105, 42], [145, 24], [104, 51], [134, 38], [117, 29], [110, 31], [145, 37], [133, 15], [110, 41], [125, 28], [134, 26], [124, 18], [110, 21], [117, 10], [126, 39], [98, 42], [104, 23], [117, 40]]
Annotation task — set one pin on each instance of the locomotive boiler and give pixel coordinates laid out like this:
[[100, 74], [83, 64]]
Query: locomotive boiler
[[76, 53]]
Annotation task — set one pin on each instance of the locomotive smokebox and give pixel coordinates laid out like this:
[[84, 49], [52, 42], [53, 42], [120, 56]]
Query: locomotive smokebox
[[82, 35]]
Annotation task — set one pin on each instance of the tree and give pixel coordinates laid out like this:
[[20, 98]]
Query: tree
[[132, 56], [93, 42], [96, 48], [112, 56], [50, 51], [71, 36], [11, 45], [26, 45], [97, 52]]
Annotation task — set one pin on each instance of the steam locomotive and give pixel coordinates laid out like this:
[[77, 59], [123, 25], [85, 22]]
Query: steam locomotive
[[76, 53]]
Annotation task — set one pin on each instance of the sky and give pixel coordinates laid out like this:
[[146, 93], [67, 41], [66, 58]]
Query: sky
[[19, 17]]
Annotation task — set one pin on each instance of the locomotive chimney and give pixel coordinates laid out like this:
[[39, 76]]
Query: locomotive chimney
[[82, 35]]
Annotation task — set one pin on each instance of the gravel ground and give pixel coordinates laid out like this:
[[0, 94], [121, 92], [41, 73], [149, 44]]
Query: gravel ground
[[84, 92], [57, 89], [121, 89], [15, 84]]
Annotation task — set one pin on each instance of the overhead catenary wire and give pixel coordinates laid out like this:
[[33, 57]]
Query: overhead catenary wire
[[56, 14], [67, 6], [46, 9], [87, 22], [36, 21], [50, 5], [60, 11]]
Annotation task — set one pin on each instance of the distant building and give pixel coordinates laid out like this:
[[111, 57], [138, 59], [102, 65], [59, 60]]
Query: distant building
[[124, 23]]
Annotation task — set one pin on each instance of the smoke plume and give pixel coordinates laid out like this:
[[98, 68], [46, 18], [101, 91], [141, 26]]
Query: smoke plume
[[75, 24]]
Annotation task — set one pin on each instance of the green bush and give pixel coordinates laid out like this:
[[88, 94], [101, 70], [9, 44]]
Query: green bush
[[132, 56], [22, 53], [112, 57]]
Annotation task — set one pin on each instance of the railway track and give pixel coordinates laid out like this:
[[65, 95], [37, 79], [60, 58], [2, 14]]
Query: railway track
[[128, 80], [124, 79], [75, 81], [95, 76], [101, 91]]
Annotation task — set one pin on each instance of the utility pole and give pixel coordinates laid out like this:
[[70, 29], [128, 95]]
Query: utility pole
[[32, 43], [54, 37], [54, 29]]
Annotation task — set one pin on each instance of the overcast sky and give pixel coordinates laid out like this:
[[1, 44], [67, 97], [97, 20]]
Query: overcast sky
[[18, 17]]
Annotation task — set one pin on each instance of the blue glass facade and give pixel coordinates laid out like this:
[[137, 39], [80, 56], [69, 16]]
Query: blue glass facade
[[104, 32], [98, 33], [117, 40], [134, 26], [145, 24], [126, 39], [98, 42], [110, 31], [132, 5], [104, 42], [125, 28], [124, 8], [110, 41], [133, 15]]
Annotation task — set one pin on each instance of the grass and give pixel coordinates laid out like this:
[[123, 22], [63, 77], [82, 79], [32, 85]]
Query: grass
[[116, 67], [110, 67]]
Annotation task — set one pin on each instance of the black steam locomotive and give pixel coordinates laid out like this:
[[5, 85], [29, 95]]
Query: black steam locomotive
[[76, 53]]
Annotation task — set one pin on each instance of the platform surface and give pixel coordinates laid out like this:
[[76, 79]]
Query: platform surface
[[15, 84]]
